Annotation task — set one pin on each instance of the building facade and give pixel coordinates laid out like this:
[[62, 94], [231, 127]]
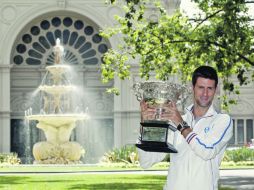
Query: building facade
[[28, 31]]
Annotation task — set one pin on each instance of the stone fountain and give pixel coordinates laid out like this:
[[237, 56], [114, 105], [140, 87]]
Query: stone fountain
[[57, 117]]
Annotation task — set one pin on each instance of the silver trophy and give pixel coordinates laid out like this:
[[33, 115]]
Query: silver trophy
[[154, 129]]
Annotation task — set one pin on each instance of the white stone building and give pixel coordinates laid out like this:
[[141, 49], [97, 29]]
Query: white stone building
[[28, 29]]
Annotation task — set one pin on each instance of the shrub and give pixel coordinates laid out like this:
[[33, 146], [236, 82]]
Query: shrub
[[237, 155], [127, 154], [9, 159]]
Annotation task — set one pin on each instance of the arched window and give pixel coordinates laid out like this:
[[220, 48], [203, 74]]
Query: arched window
[[80, 38]]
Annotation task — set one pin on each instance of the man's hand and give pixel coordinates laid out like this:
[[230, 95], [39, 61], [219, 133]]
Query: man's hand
[[148, 112], [169, 112], [172, 113]]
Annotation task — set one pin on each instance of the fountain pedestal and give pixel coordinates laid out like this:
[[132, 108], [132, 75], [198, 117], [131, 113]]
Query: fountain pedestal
[[57, 149]]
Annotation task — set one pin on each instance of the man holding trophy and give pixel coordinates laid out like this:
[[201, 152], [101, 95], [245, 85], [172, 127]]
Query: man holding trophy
[[201, 137]]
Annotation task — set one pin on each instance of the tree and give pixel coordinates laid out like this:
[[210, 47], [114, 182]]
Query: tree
[[220, 35]]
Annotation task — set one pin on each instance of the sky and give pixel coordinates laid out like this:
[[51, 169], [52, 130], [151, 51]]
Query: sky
[[191, 8]]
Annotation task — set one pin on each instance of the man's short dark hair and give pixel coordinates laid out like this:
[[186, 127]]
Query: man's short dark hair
[[205, 72]]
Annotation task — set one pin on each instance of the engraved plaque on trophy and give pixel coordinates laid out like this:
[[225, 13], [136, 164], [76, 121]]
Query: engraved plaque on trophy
[[156, 131]]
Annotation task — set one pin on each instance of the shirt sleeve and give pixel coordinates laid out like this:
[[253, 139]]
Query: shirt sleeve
[[148, 159], [207, 147]]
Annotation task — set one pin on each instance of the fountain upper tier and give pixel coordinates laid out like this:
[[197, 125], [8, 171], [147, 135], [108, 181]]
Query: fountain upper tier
[[57, 90], [57, 94], [58, 69], [58, 74], [58, 120]]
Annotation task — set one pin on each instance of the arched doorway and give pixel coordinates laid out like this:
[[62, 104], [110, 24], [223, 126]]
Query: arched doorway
[[84, 48]]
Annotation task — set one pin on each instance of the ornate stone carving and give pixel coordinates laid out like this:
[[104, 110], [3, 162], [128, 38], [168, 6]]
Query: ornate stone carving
[[114, 10], [243, 107], [21, 103], [8, 13], [61, 3]]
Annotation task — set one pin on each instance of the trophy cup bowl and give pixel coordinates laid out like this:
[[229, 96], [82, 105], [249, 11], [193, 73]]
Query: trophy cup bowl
[[154, 129]]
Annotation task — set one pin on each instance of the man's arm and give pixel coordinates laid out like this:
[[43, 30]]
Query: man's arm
[[210, 146], [207, 148], [148, 159]]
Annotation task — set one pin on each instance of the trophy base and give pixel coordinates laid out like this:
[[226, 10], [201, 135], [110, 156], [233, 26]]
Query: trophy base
[[159, 123], [156, 147]]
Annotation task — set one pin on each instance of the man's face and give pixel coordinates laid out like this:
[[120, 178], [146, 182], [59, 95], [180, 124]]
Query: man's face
[[204, 91]]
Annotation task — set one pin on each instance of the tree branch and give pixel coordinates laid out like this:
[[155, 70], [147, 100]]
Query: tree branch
[[246, 59], [210, 16], [216, 44], [240, 55]]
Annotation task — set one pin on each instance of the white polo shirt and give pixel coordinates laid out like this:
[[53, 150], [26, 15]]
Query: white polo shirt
[[196, 165]]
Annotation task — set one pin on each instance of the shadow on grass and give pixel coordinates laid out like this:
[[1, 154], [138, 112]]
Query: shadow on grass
[[106, 182], [88, 182], [125, 186], [226, 188], [125, 183], [12, 180], [7, 180]]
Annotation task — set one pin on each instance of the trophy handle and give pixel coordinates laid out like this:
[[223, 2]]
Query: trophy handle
[[138, 94]]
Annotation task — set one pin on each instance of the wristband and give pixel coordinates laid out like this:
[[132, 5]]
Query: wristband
[[182, 125], [184, 129]]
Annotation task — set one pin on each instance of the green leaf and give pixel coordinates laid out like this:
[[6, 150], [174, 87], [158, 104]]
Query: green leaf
[[221, 36]]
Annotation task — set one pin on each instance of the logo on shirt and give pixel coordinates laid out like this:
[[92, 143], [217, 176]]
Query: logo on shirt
[[207, 129]]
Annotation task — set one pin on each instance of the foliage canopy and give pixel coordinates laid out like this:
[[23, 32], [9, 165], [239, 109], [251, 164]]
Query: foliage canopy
[[220, 34]]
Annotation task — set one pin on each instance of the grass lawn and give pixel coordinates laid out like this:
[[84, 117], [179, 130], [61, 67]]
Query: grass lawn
[[84, 181], [97, 167], [32, 177]]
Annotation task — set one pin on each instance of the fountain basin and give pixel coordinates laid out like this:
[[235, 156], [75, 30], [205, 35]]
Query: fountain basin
[[58, 69]]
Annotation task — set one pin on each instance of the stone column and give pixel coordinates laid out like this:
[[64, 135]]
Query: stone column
[[5, 137], [126, 114], [117, 116]]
